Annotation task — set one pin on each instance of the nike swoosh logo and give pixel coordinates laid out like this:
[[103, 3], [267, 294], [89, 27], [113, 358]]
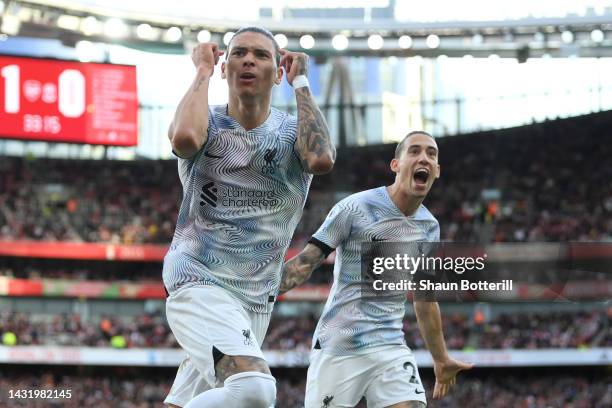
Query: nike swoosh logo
[[376, 239], [419, 392], [212, 156]]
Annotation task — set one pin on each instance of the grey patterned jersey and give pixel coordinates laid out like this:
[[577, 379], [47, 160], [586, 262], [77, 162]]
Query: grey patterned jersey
[[243, 195], [350, 324]]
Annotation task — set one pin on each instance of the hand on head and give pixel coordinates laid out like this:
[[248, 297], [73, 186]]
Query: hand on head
[[205, 56], [294, 64]]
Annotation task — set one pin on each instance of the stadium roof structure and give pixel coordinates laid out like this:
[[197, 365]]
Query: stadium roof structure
[[588, 35]]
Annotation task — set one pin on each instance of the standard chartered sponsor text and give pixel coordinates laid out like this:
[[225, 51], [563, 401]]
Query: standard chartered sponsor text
[[234, 197]]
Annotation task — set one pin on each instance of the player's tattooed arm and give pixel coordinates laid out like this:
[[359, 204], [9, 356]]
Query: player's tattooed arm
[[298, 269], [313, 144]]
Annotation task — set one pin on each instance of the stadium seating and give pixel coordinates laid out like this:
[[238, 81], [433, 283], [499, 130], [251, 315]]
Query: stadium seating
[[496, 186]]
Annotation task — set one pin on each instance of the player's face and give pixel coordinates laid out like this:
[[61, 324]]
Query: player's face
[[417, 167], [250, 67]]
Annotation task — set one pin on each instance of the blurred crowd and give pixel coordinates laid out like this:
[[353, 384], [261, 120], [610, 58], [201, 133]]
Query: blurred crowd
[[537, 330], [500, 391], [127, 202], [519, 330], [26, 268], [542, 182], [495, 390], [559, 391], [85, 391], [146, 330]]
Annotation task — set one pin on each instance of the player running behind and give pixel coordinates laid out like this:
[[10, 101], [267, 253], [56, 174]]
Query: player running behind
[[358, 345]]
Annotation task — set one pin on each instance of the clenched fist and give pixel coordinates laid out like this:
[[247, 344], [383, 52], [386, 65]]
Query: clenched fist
[[205, 56], [294, 63]]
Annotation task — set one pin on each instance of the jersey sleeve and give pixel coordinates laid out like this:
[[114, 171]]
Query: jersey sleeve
[[335, 229]]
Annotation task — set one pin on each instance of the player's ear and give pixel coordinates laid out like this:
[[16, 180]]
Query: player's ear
[[438, 171], [223, 70], [395, 165]]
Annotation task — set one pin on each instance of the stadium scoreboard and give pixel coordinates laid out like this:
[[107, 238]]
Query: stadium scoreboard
[[65, 101]]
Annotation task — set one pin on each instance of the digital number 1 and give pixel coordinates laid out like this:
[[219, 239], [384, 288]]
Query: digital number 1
[[11, 89]]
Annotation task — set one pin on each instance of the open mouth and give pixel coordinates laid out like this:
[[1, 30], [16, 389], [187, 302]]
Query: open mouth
[[421, 176], [247, 75]]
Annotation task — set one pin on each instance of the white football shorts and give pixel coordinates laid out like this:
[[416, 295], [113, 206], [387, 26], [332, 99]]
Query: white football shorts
[[203, 317], [385, 376]]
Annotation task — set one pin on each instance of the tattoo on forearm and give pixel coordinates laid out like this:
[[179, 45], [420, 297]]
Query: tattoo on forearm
[[297, 270], [313, 133], [302, 65]]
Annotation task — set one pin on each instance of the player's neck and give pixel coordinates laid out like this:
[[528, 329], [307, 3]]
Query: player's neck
[[251, 112], [406, 203]]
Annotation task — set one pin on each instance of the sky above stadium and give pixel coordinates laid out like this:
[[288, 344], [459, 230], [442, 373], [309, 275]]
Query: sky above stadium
[[431, 10]]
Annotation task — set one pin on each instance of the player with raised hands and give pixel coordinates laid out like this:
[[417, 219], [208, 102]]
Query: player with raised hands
[[245, 168]]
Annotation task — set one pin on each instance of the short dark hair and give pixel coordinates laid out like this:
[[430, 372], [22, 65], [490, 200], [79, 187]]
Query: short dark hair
[[262, 31], [400, 145]]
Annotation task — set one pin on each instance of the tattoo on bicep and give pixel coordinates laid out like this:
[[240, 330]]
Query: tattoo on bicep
[[313, 133]]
